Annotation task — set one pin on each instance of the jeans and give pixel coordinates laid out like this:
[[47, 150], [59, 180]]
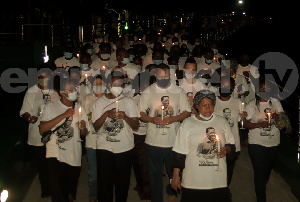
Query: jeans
[[156, 158], [92, 172], [262, 159]]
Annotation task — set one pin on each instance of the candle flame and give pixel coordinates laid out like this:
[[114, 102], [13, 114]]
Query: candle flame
[[79, 110], [269, 114], [162, 107], [243, 103], [117, 101], [217, 137]]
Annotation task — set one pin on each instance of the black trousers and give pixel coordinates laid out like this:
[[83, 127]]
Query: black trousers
[[63, 179], [201, 195], [113, 173], [40, 152], [262, 159], [140, 167]]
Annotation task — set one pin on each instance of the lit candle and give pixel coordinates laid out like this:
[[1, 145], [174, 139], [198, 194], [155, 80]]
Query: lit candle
[[79, 112], [162, 113], [269, 117], [78, 55], [243, 104], [218, 143], [117, 107], [103, 68], [86, 76]]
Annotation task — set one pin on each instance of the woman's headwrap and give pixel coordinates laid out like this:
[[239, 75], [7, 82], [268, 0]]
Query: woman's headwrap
[[204, 94]]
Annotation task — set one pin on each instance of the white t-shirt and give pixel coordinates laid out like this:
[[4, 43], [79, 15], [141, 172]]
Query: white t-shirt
[[65, 145], [203, 66], [63, 62], [197, 140], [241, 86], [191, 89], [174, 100], [231, 110], [115, 135], [263, 136], [98, 63], [34, 102], [91, 138], [132, 70]]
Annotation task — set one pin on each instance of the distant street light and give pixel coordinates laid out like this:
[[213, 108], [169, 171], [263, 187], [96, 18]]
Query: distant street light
[[240, 2]]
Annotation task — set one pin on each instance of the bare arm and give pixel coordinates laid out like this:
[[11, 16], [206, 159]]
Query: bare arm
[[48, 125]]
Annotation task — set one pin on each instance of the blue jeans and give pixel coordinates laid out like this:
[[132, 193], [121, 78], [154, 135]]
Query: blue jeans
[[157, 156], [92, 166]]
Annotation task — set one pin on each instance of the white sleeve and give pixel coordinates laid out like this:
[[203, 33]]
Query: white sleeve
[[277, 105], [181, 142], [27, 103]]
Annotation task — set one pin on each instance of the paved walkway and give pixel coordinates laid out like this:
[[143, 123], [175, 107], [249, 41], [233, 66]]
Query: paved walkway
[[242, 185]]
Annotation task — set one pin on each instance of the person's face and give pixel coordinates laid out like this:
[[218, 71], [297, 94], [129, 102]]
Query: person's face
[[190, 68], [206, 107], [98, 82], [105, 50], [166, 102], [158, 56], [117, 82], [209, 56], [69, 88], [43, 76], [122, 54], [162, 74]]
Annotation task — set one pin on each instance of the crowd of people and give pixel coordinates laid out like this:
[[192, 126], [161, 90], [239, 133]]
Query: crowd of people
[[151, 102]]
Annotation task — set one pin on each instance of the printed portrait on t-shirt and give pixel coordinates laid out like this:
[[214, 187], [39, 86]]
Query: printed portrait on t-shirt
[[112, 127], [66, 132], [227, 116], [190, 96], [207, 149], [164, 108]]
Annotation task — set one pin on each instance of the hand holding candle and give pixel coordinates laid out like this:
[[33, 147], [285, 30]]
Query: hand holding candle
[[218, 143]]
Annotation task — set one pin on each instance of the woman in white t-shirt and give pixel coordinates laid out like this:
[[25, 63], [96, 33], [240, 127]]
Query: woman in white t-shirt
[[98, 87], [63, 150], [34, 102], [115, 117], [263, 137], [201, 146]]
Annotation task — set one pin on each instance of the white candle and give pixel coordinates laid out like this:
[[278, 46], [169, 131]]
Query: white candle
[[79, 112], [162, 113], [269, 117], [117, 107], [46, 51], [243, 106], [218, 143]]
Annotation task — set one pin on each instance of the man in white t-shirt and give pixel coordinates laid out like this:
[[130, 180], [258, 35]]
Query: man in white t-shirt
[[68, 60], [33, 105], [230, 108], [123, 60], [167, 105], [208, 63]]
